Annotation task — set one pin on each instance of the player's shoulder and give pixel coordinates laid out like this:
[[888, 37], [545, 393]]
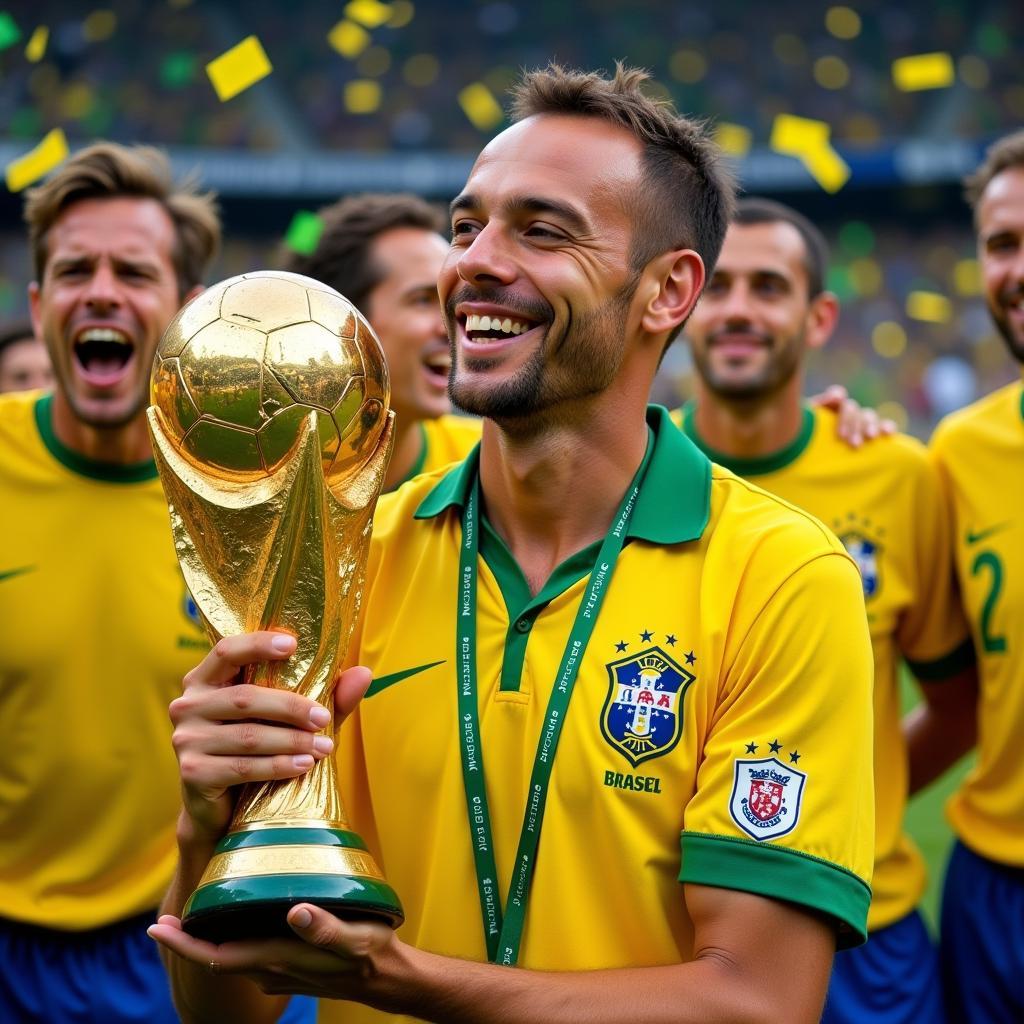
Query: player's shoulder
[[396, 511], [753, 522], [459, 427], [979, 419], [17, 415], [898, 450]]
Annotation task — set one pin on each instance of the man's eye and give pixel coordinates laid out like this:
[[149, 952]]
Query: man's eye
[[543, 231], [464, 227]]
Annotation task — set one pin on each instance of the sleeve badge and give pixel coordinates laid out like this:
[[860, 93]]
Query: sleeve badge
[[766, 797]]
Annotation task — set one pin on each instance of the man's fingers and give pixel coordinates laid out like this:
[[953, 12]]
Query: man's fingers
[[349, 691], [231, 653], [212, 775], [247, 701], [831, 398]]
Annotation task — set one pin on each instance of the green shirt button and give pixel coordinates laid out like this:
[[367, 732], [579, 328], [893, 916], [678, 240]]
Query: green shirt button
[[523, 625]]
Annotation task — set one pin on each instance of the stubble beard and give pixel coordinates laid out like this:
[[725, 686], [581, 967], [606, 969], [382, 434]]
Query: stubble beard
[[589, 353], [782, 366]]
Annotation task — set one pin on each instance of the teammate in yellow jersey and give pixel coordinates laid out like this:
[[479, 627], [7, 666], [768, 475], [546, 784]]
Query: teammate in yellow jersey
[[98, 625], [648, 679], [980, 455], [763, 311], [383, 253]]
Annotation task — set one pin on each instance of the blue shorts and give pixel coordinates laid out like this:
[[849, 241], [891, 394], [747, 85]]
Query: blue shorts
[[111, 975], [982, 940], [892, 979]]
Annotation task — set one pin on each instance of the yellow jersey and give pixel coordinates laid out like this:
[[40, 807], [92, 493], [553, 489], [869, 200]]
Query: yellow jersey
[[446, 439], [756, 774], [98, 632], [884, 503], [980, 455]]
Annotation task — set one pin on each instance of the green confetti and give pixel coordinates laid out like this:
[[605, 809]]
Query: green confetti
[[25, 123], [9, 31], [304, 232], [992, 40], [840, 283], [178, 70]]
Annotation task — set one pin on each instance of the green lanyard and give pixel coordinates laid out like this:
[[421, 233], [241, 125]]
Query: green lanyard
[[504, 936]]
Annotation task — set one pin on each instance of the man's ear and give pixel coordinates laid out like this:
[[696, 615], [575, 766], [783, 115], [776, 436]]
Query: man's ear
[[33, 308], [674, 282], [822, 318]]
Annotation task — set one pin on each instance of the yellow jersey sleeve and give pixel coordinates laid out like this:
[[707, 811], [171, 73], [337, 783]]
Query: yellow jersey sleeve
[[783, 806]]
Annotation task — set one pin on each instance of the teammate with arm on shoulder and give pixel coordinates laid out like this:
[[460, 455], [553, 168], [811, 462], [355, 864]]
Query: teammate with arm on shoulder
[[617, 739], [765, 309]]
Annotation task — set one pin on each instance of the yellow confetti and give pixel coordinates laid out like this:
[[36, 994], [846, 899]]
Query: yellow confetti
[[41, 160], [480, 106], [348, 38], [808, 141], [827, 168], [238, 68], [733, 139], [923, 71], [369, 13], [36, 47], [362, 96], [929, 306]]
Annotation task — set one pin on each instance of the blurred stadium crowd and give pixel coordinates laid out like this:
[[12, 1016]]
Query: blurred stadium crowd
[[372, 77]]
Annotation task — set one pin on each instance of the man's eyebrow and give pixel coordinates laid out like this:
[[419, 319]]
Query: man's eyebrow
[[529, 204]]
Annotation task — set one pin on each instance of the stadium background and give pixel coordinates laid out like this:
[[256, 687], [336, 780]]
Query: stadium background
[[372, 95]]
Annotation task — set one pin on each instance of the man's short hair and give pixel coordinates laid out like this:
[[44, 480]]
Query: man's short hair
[[755, 210], [20, 330], [343, 257], [686, 195], [108, 170], [1002, 155]]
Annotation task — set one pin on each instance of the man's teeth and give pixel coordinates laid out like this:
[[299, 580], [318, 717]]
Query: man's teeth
[[495, 324], [103, 334]]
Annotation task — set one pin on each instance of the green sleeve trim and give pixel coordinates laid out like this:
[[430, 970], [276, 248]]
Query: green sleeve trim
[[958, 660], [109, 472], [730, 862]]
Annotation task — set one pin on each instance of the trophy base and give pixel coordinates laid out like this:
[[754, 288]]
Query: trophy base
[[257, 875]]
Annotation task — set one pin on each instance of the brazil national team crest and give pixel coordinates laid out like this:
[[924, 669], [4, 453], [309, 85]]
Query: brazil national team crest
[[766, 797], [865, 549], [642, 715]]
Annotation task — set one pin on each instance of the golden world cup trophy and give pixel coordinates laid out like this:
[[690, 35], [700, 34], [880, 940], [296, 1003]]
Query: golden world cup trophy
[[272, 432]]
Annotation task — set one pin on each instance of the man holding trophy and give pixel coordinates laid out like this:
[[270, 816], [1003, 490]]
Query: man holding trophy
[[619, 734]]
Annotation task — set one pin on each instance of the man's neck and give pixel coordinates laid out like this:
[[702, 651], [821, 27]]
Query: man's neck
[[551, 492], [125, 445], [749, 429], [409, 444]]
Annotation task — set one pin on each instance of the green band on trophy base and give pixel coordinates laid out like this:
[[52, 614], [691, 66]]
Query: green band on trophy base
[[256, 877]]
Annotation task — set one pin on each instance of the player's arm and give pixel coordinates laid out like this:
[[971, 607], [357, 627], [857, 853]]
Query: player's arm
[[226, 734], [740, 971], [934, 637], [943, 727]]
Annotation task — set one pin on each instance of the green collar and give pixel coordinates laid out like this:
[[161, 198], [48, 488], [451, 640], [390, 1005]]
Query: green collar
[[674, 502], [421, 459], [759, 464], [110, 472]]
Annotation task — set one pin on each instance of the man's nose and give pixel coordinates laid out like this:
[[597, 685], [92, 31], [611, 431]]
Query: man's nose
[[487, 259]]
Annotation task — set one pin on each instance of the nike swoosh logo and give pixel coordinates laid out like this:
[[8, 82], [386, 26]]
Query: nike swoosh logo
[[11, 573], [973, 538], [383, 682]]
